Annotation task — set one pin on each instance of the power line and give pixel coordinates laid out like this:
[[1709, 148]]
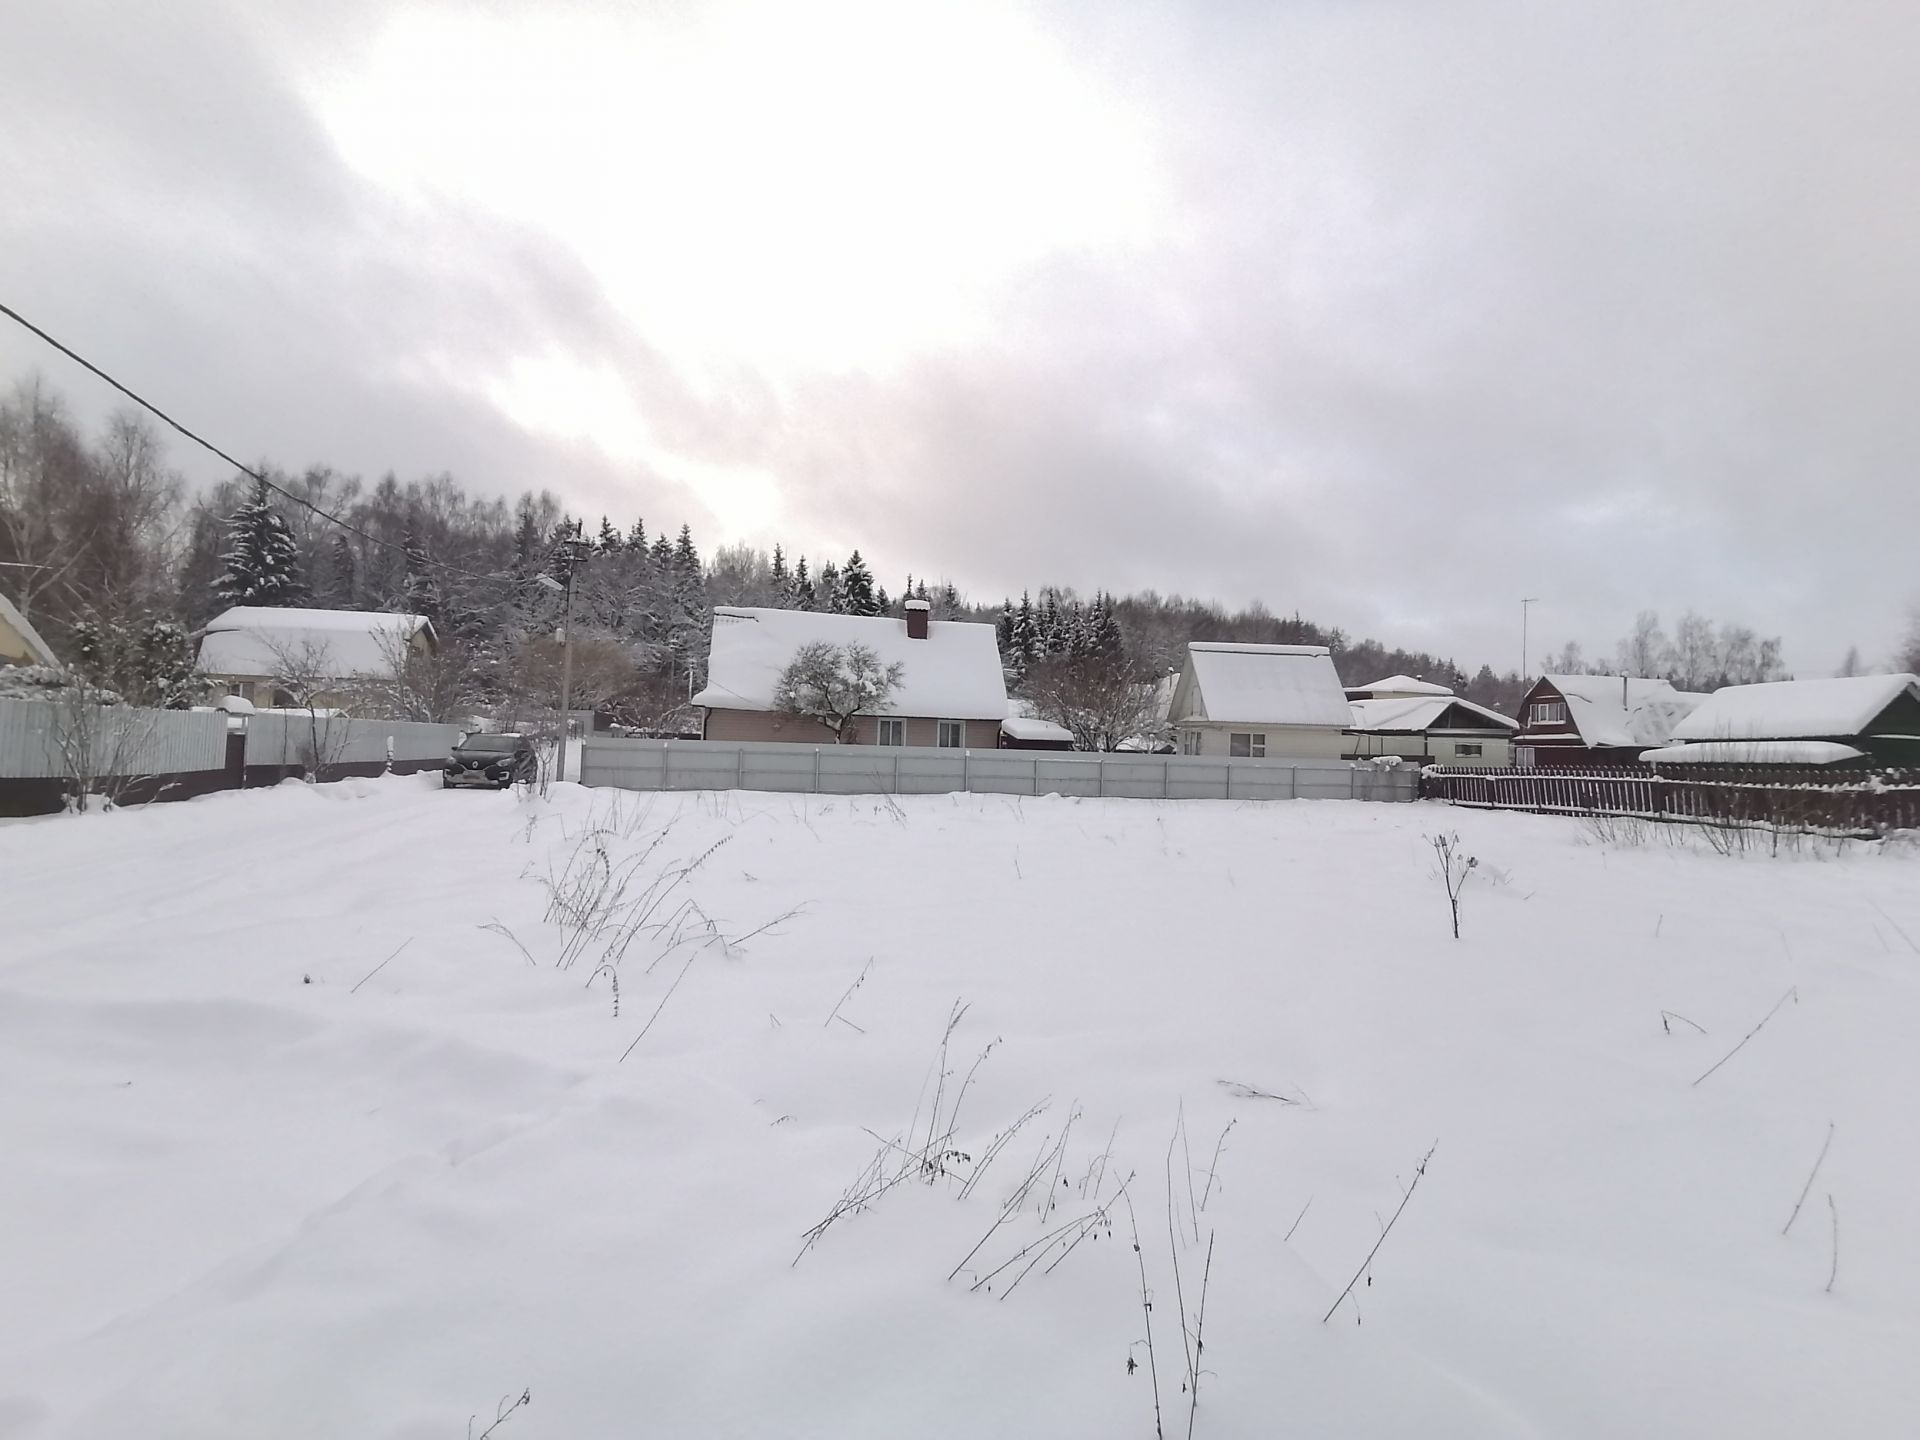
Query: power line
[[246, 470]]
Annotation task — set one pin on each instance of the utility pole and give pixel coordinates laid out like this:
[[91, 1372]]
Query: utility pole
[[1524, 603], [571, 548]]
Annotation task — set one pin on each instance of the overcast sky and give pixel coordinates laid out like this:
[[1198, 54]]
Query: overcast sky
[[1390, 313]]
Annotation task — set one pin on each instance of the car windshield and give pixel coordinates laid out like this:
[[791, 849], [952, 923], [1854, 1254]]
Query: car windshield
[[489, 744]]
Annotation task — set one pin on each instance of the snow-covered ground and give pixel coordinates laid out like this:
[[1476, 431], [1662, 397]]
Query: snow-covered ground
[[254, 1181]]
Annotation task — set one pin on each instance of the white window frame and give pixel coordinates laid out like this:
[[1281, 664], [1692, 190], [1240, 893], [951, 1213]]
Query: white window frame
[[1547, 712], [890, 731], [1523, 757], [1190, 742], [954, 728], [1256, 742]]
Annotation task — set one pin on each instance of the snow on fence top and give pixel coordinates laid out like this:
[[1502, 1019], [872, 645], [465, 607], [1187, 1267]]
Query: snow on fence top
[[1611, 710], [251, 639], [1795, 709], [1264, 685], [953, 674]]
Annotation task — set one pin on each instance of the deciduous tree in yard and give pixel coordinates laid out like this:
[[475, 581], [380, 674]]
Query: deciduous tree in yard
[[1103, 701], [836, 685]]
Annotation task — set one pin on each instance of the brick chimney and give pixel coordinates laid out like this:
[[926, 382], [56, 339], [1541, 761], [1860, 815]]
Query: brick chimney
[[918, 613]]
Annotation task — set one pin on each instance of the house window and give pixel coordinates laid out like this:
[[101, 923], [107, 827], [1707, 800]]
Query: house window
[[1464, 750], [1523, 756], [1547, 712], [1247, 747], [892, 732], [953, 734], [1189, 742]]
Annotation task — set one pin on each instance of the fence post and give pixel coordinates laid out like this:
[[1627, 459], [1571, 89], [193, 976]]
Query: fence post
[[1036, 773], [966, 786], [1100, 777], [896, 772], [666, 764], [739, 766], [816, 769], [1166, 778]]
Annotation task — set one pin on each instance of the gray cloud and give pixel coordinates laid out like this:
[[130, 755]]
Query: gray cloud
[[1607, 304]]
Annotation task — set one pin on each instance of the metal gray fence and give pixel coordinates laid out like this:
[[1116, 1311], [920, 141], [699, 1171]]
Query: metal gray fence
[[289, 739], [120, 740], [887, 770]]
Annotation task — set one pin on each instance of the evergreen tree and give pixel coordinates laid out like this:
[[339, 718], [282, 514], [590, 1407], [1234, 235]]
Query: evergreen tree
[[261, 565], [827, 592], [609, 540], [661, 557], [856, 588], [1048, 636], [804, 597], [421, 593], [1003, 630], [781, 579], [1026, 634], [686, 559], [637, 539], [338, 588], [882, 605]]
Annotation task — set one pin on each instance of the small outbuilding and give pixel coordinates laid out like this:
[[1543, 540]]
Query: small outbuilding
[[1860, 719], [1441, 729], [1260, 701]]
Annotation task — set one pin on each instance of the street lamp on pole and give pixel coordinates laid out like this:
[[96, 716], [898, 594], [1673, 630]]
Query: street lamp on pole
[[1524, 603]]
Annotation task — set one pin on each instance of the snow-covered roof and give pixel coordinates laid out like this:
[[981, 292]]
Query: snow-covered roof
[[1395, 685], [252, 639], [1754, 752], [953, 674], [38, 651], [1795, 709], [1609, 710], [1408, 713], [1263, 685], [1025, 727]]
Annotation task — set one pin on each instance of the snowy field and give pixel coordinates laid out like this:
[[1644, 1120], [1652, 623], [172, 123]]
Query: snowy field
[[292, 1144]]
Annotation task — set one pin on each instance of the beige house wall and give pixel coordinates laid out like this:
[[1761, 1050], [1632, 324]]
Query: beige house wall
[[1284, 742], [771, 725], [1495, 750], [14, 649]]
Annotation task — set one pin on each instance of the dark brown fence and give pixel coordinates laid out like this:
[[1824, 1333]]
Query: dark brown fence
[[1795, 797]]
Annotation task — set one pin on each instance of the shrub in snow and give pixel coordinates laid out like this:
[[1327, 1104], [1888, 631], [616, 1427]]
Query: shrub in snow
[[1455, 866]]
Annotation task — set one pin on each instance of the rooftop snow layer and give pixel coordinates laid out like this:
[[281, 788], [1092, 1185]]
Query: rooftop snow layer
[[1753, 752], [253, 639], [953, 674], [1795, 709], [1397, 685], [1610, 710], [1267, 684], [1413, 712]]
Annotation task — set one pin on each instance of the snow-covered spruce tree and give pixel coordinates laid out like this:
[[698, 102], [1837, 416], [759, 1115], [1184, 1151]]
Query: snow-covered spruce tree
[[856, 588], [835, 685], [609, 538], [337, 587], [778, 574], [261, 565], [804, 596]]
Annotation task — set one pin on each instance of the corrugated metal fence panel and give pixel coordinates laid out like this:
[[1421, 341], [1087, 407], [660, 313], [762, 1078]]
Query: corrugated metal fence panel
[[884, 770], [123, 740], [293, 739]]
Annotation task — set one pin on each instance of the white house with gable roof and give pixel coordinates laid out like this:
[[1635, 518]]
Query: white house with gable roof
[[1260, 702], [951, 693]]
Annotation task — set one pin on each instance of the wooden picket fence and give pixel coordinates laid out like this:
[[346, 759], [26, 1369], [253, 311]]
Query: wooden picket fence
[[1806, 798]]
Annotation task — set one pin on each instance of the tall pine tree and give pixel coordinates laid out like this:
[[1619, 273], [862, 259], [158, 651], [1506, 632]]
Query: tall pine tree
[[804, 596], [422, 587], [261, 565]]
